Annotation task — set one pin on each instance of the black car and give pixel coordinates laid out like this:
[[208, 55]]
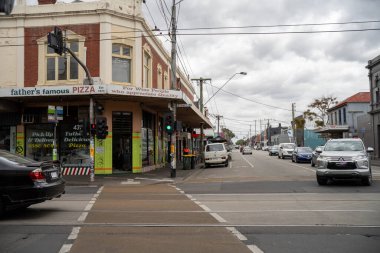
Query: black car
[[24, 182]]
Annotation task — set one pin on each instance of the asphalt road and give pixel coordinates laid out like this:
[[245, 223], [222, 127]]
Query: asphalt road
[[277, 206], [257, 204]]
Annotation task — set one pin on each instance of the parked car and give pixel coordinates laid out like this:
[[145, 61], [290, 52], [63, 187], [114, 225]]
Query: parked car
[[24, 182], [265, 148], [344, 159], [273, 150], [302, 154], [315, 155], [216, 154], [247, 150], [285, 150]]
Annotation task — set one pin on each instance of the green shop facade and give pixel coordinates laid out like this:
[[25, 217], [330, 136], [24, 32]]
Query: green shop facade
[[36, 121]]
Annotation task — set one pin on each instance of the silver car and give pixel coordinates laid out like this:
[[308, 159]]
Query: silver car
[[344, 159]]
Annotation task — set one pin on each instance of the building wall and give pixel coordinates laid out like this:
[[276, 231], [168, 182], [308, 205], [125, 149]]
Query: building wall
[[374, 85]]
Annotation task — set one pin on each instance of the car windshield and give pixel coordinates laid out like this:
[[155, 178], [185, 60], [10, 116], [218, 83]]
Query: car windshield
[[289, 146], [15, 158], [215, 147], [305, 149], [344, 146]]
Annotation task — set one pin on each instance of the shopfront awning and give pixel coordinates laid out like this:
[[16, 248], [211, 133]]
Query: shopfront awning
[[156, 100], [333, 129]]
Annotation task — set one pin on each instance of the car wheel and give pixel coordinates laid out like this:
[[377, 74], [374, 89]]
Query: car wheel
[[206, 165], [226, 164], [321, 180], [367, 181], [282, 156]]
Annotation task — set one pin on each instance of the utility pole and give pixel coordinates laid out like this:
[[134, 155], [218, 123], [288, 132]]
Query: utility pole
[[268, 134], [218, 118], [201, 80], [293, 123], [173, 137]]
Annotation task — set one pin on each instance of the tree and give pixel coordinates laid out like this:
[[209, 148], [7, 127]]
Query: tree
[[241, 142], [228, 134], [321, 105]]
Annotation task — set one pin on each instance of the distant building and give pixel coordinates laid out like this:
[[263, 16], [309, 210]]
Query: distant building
[[374, 86], [343, 118]]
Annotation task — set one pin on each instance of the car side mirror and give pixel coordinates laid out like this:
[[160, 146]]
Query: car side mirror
[[370, 150], [318, 150]]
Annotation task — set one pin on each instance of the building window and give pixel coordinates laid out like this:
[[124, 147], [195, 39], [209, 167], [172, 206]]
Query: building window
[[121, 63], [166, 80], [159, 77], [147, 70], [336, 118], [340, 117], [63, 67], [344, 117], [55, 69]]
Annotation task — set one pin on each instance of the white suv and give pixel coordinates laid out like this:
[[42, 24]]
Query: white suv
[[216, 153], [344, 159], [285, 150]]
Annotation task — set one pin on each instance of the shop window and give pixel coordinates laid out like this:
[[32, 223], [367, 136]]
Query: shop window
[[39, 141], [148, 139], [75, 145], [121, 63]]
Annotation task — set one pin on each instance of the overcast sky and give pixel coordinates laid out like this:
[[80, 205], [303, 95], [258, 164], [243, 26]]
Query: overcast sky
[[282, 68]]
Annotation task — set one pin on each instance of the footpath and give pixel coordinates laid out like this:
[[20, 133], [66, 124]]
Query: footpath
[[147, 213]]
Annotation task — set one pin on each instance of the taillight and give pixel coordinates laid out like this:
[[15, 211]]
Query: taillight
[[37, 175]]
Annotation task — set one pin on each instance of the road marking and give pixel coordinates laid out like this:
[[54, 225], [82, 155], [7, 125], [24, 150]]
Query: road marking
[[168, 180], [130, 182], [65, 248], [217, 217], [254, 249], [205, 208], [236, 233], [82, 217], [247, 161], [74, 233]]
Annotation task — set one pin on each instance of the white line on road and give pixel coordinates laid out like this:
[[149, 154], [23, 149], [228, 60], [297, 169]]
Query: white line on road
[[236, 233], [65, 248], [205, 208], [218, 217], [245, 159], [74, 233], [254, 249]]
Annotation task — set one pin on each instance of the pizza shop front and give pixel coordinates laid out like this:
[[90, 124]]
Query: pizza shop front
[[57, 127]]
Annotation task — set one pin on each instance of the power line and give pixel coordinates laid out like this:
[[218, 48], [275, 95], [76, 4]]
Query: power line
[[285, 25], [272, 106]]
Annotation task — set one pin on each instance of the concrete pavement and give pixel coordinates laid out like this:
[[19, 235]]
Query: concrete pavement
[[149, 215]]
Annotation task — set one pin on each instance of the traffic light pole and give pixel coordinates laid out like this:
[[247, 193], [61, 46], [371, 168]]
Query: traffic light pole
[[173, 137], [91, 116]]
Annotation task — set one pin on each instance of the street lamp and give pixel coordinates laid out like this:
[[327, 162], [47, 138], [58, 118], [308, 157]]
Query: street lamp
[[238, 73]]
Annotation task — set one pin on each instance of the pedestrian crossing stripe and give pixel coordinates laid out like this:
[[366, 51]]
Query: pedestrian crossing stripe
[[79, 171]]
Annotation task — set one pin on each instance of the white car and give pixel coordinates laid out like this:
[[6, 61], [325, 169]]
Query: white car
[[247, 150], [285, 150], [215, 154]]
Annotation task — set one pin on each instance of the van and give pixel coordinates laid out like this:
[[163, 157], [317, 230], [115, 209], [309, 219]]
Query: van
[[216, 153], [285, 150]]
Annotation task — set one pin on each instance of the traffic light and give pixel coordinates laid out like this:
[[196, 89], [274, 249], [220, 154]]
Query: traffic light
[[55, 40], [169, 122], [101, 127], [6, 6], [93, 129]]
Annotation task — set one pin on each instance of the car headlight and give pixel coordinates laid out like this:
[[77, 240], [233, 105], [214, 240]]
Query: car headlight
[[360, 157]]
